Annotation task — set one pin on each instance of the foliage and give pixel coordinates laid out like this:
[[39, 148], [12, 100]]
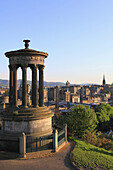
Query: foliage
[[15, 112], [91, 157], [31, 102], [105, 92], [81, 119], [99, 142], [107, 136], [104, 113], [59, 120]]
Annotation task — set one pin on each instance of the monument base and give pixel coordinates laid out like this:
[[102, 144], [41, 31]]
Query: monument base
[[34, 122], [28, 120]]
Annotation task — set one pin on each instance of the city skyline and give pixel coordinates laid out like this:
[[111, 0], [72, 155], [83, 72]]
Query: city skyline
[[77, 36]]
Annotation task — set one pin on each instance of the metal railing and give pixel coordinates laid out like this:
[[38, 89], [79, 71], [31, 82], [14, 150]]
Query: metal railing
[[39, 144], [61, 137]]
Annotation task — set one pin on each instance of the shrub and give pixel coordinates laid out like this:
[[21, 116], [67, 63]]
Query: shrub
[[95, 140]]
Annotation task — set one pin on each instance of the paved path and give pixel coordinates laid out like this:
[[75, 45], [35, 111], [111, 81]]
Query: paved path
[[59, 161]]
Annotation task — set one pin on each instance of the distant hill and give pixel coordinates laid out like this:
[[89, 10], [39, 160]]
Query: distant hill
[[48, 84], [5, 83]]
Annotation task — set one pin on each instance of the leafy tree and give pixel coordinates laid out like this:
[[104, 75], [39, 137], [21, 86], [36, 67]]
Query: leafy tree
[[104, 114], [81, 119], [105, 92]]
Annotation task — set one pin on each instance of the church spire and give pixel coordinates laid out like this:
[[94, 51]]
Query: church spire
[[104, 81]]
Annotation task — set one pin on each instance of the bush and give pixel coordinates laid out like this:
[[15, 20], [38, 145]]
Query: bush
[[95, 140]]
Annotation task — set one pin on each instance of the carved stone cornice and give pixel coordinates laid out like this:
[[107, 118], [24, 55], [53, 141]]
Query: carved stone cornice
[[26, 52]]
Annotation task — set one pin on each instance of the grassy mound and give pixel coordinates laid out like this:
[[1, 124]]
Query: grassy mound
[[91, 157]]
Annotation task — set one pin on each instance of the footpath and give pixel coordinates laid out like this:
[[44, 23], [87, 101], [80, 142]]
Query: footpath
[[44, 161]]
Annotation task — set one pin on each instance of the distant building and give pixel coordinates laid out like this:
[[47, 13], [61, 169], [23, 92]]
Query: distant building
[[75, 98], [51, 94], [45, 94], [104, 81], [28, 88], [20, 92], [67, 83]]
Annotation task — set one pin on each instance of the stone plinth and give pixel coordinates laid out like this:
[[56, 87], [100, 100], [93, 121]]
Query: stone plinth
[[33, 121], [36, 126]]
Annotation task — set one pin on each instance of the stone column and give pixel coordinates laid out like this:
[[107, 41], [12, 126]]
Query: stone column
[[55, 140], [10, 85], [24, 85], [22, 145], [41, 86], [34, 86], [14, 85]]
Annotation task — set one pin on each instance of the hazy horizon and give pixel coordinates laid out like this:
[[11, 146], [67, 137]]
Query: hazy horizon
[[61, 82]]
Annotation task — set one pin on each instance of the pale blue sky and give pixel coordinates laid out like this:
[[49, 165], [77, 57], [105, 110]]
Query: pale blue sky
[[77, 35]]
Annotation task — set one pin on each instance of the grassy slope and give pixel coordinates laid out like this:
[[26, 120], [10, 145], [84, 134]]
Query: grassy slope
[[91, 157]]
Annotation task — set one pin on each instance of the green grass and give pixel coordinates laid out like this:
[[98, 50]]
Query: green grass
[[91, 157]]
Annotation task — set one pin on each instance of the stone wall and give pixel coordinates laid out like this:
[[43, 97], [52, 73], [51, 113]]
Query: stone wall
[[36, 126]]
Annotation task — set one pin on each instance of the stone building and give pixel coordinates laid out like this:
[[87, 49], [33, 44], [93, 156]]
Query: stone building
[[64, 94], [82, 93], [45, 94], [20, 92], [75, 98], [67, 83], [51, 94], [28, 88]]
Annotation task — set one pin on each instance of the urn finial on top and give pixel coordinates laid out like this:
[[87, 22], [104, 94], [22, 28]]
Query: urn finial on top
[[26, 43]]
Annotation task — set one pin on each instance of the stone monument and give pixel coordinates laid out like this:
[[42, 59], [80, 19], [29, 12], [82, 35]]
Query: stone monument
[[34, 120]]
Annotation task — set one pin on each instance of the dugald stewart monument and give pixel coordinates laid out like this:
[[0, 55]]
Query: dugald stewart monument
[[35, 120]]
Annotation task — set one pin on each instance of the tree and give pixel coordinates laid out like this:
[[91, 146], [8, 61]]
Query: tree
[[104, 114], [80, 120]]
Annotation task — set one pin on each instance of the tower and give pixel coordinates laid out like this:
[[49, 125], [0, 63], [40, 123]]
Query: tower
[[81, 94], [104, 81], [67, 83]]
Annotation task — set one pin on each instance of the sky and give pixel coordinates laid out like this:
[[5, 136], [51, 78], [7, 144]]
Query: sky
[[76, 34]]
